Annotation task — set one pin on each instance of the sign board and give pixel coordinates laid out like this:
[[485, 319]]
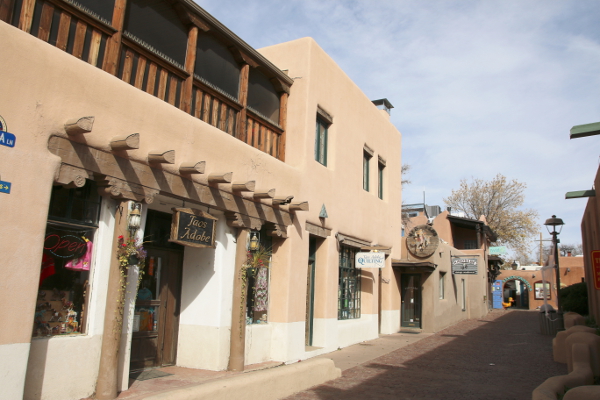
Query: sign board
[[464, 266], [5, 187], [194, 228], [422, 241], [596, 268], [7, 139], [498, 250], [64, 245], [370, 260]]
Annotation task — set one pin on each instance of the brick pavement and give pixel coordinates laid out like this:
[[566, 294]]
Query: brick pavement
[[502, 356]]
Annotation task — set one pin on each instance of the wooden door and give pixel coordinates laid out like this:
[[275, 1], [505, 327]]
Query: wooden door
[[156, 318], [411, 300]]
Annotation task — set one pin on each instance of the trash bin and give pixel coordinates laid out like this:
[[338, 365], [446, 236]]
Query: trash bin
[[551, 321]]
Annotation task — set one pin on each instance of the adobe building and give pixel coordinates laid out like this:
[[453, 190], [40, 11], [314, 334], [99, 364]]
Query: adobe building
[[527, 286], [130, 123], [446, 271]]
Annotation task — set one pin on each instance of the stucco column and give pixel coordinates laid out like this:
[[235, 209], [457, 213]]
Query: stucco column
[[237, 343], [106, 386]]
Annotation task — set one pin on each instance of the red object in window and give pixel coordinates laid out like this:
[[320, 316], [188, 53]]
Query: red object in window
[[47, 267]]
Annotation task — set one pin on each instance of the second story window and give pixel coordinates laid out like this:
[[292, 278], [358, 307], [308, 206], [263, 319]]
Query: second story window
[[324, 120], [215, 65], [367, 155], [262, 96], [380, 168]]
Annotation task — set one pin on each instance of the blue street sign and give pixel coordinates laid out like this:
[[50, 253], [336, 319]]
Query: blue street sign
[[7, 139], [5, 187]]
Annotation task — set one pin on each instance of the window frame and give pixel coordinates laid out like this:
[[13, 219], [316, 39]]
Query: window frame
[[321, 140], [366, 169], [349, 284], [380, 174], [442, 286]]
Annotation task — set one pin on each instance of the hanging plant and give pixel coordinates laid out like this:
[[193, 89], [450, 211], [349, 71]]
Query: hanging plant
[[255, 260], [130, 252]]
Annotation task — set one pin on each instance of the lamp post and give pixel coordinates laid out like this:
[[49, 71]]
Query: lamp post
[[556, 223]]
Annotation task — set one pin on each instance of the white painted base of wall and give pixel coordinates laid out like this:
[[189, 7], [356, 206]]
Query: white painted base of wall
[[390, 321], [13, 369], [203, 347], [257, 338], [352, 331], [62, 368]]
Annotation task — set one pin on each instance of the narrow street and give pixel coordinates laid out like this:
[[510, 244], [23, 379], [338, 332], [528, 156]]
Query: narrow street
[[502, 356]]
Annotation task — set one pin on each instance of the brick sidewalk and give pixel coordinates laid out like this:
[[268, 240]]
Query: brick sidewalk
[[502, 356]]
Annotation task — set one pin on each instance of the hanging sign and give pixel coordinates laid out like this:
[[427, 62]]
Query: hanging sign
[[194, 228], [498, 250], [370, 260], [464, 266], [65, 245], [596, 268]]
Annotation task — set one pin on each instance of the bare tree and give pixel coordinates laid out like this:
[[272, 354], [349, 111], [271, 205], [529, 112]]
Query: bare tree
[[499, 201]]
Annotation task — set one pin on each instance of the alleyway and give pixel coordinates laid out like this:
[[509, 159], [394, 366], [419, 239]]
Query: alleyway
[[502, 356]]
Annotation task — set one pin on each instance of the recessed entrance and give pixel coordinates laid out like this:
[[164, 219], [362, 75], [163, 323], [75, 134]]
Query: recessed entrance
[[411, 301], [156, 316]]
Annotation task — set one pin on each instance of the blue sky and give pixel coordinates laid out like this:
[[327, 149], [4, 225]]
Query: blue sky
[[479, 87]]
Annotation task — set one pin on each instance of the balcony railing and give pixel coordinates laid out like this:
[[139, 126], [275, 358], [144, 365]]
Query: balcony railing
[[85, 35]]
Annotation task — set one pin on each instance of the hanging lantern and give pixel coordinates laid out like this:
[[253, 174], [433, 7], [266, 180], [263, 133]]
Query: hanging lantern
[[254, 242]]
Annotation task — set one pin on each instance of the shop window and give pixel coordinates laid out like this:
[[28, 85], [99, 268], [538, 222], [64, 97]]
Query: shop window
[[216, 66], [157, 24], [541, 289], [64, 278], [349, 285], [257, 279], [262, 96]]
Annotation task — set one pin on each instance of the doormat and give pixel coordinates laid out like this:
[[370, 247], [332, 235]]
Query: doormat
[[148, 374]]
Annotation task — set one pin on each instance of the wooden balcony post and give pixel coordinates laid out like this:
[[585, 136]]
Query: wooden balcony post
[[243, 99], [190, 62], [283, 101], [113, 44]]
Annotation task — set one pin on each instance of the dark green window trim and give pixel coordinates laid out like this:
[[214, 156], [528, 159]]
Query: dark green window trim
[[349, 285], [380, 169], [366, 162], [321, 141]]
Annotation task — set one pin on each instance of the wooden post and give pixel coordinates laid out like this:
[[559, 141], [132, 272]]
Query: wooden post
[[110, 63], [106, 386], [237, 342], [6, 10], [190, 61], [283, 102], [243, 99]]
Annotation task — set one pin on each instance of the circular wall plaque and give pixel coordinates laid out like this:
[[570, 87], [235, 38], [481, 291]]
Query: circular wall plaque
[[422, 241]]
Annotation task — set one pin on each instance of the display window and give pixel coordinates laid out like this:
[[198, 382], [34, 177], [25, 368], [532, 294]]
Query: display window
[[66, 261], [257, 278], [542, 290]]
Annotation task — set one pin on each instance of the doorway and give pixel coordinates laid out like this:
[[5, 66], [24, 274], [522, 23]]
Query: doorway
[[156, 315], [310, 292], [411, 301]]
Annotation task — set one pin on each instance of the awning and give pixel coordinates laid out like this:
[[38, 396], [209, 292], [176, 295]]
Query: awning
[[419, 266]]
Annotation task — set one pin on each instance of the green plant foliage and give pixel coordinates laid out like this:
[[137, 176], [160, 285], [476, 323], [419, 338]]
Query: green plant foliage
[[575, 298]]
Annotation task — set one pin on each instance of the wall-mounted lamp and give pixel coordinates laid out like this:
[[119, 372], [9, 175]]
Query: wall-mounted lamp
[[254, 241], [533, 275], [135, 218], [568, 269]]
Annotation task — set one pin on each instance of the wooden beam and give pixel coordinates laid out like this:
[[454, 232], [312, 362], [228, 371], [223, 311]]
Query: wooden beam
[[580, 193], [282, 200], [579, 131], [102, 162], [244, 187], [166, 157], [265, 195], [129, 142], [77, 126], [220, 178], [302, 206], [192, 168]]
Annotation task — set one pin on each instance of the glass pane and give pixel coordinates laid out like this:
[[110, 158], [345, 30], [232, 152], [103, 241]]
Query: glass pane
[[145, 319]]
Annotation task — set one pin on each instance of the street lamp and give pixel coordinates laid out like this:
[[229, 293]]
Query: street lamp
[[556, 223]]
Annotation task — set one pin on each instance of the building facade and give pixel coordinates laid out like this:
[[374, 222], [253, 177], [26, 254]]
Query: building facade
[[194, 146], [446, 271]]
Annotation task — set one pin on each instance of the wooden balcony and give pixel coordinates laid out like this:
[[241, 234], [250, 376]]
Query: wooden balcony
[[89, 37]]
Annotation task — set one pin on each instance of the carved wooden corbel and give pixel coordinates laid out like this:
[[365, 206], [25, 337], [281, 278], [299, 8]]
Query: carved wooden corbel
[[238, 220], [278, 201], [166, 157], [76, 126], [71, 177], [220, 178], [120, 189], [192, 168], [129, 142], [276, 230]]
